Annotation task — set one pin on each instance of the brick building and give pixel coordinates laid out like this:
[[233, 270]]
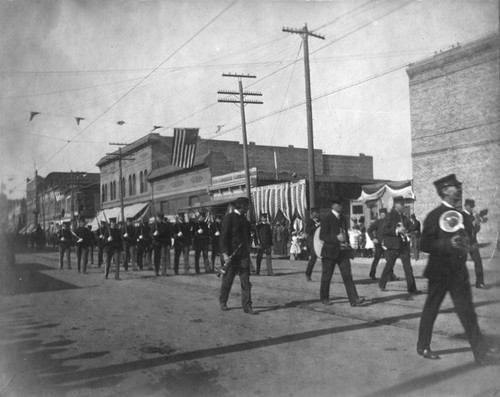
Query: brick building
[[454, 106], [170, 188], [61, 196], [177, 188]]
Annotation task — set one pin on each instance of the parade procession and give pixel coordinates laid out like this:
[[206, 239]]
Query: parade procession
[[363, 230]]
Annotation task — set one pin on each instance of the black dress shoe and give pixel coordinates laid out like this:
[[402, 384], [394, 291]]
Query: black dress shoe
[[308, 278], [416, 292], [393, 277], [357, 302], [250, 311], [383, 289], [481, 286], [326, 302], [224, 307], [428, 353]]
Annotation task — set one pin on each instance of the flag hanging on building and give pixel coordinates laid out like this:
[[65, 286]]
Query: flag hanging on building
[[184, 147]]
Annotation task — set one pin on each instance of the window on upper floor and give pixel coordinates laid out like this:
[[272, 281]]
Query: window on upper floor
[[141, 182]]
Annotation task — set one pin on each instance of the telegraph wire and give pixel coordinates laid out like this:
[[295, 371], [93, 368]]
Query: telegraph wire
[[144, 78]]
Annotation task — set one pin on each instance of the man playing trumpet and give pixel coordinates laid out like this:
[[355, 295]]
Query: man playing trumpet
[[396, 240]]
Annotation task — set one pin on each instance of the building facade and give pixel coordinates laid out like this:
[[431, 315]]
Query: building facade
[[61, 196], [455, 114]]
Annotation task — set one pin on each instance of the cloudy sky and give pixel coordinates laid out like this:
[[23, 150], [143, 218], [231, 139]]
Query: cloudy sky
[[160, 63]]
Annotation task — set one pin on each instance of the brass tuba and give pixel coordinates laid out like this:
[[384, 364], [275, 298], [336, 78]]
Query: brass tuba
[[451, 221]]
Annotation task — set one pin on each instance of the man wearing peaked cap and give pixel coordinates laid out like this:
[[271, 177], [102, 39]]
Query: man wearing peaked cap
[[448, 180], [396, 241], [264, 243], [447, 272]]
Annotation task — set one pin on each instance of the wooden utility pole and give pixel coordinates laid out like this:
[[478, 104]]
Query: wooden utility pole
[[242, 101], [310, 137]]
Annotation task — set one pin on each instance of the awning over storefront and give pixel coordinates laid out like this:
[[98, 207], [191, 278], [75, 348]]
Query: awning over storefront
[[134, 211], [378, 191]]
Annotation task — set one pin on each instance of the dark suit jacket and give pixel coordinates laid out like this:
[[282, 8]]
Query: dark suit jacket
[[444, 260], [390, 238], [470, 228], [264, 235], [235, 230], [330, 228], [375, 230]]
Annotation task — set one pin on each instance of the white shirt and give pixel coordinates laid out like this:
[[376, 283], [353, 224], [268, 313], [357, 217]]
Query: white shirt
[[336, 214]]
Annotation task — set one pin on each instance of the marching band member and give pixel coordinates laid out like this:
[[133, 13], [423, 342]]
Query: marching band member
[[201, 241], [312, 224], [397, 243], [336, 251], [264, 237], [472, 227], [446, 271]]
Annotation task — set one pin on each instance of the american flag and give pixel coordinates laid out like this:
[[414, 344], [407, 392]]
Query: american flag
[[184, 147]]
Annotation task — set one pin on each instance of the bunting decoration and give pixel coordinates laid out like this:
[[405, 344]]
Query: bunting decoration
[[33, 114]]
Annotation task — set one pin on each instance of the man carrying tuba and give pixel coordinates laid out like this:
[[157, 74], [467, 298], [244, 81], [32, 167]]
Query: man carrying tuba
[[447, 272]]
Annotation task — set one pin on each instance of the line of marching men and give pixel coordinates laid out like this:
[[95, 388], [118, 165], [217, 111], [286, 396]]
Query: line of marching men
[[142, 244]]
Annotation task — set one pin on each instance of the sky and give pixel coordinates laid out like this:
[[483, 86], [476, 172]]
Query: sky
[[126, 66]]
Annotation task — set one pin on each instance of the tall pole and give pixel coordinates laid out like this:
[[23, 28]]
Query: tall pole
[[310, 136], [242, 101]]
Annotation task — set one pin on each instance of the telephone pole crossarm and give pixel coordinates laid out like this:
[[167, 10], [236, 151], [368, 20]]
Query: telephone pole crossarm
[[242, 101]]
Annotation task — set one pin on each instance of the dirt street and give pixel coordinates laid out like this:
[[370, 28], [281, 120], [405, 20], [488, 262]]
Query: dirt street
[[69, 334]]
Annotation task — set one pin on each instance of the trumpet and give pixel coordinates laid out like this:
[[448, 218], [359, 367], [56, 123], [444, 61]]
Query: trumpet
[[452, 221], [403, 233]]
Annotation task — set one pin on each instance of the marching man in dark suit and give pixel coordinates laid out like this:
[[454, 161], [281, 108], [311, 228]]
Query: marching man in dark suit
[[201, 241], [472, 227], [114, 247], [397, 243], [336, 251], [447, 272], [312, 224], [235, 242], [83, 244], [264, 236], [375, 233]]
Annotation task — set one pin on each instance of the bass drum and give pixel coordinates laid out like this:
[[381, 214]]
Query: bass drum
[[317, 243]]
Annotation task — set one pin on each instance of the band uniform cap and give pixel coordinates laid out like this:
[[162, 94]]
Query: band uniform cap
[[398, 199], [448, 180], [160, 214], [112, 219], [382, 211], [263, 215], [336, 200], [471, 203]]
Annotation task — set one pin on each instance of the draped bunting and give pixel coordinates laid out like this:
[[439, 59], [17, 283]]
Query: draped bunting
[[377, 191], [289, 198]]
